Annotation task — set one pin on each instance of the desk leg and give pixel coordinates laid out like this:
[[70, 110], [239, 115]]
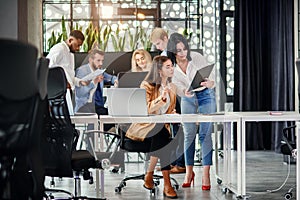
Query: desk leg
[[101, 127], [239, 162], [298, 160], [97, 183], [241, 158], [96, 127], [227, 147]]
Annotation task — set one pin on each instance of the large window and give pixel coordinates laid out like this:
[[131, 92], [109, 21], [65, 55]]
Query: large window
[[125, 18], [129, 19]]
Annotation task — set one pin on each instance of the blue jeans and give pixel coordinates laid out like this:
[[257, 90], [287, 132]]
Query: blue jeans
[[202, 102]]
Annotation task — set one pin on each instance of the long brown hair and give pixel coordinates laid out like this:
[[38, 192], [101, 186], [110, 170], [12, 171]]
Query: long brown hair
[[153, 77]]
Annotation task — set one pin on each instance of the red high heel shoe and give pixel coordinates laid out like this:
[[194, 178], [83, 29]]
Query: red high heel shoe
[[205, 187], [188, 184]]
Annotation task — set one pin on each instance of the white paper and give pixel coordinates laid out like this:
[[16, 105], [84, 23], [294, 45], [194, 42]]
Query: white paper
[[93, 75]]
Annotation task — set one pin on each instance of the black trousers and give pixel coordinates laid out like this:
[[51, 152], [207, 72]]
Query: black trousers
[[159, 138]]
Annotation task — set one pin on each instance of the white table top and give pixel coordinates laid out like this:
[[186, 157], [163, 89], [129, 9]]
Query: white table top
[[84, 118], [171, 118], [269, 116]]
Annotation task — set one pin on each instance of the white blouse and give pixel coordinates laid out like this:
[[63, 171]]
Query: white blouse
[[183, 80]]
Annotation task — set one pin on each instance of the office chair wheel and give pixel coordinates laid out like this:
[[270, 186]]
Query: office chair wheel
[[221, 154], [118, 189], [115, 170], [219, 181], [288, 195]]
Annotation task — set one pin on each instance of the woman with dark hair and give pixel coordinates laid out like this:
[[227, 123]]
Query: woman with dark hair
[[202, 100], [161, 99]]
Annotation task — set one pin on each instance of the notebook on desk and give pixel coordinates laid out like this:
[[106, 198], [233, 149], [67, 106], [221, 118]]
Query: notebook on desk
[[130, 79], [127, 102]]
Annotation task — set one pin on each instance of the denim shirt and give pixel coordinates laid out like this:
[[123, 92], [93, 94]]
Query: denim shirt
[[82, 93]]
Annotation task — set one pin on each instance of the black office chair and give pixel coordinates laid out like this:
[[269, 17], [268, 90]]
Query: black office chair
[[61, 157], [130, 145], [289, 150], [20, 177]]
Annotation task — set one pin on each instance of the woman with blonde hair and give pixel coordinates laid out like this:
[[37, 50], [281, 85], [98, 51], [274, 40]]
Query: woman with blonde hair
[[141, 61]]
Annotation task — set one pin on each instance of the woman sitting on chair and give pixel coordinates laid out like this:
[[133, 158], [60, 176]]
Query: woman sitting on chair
[[161, 99]]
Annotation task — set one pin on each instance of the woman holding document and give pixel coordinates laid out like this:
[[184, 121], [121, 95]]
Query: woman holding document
[[195, 100], [161, 99]]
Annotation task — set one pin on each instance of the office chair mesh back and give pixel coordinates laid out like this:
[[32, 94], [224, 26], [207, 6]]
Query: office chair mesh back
[[60, 132], [19, 97]]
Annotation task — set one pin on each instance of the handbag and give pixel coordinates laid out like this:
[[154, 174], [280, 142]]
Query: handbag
[[139, 131]]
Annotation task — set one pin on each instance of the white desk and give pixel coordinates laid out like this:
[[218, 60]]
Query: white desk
[[227, 119], [241, 143], [238, 117]]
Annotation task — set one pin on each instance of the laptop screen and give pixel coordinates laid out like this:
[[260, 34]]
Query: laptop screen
[[127, 102], [131, 79]]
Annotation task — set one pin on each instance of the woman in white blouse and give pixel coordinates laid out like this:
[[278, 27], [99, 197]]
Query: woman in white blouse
[[202, 100]]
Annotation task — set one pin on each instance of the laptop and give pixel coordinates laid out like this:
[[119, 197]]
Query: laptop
[[127, 102], [131, 79], [200, 76]]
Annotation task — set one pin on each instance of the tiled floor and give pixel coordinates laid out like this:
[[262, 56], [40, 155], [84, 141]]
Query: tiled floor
[[265, 171]]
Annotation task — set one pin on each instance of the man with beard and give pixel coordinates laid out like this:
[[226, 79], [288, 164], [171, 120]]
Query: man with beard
[[89, 97], [62, 54]]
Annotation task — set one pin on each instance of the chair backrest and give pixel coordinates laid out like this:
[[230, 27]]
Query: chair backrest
[[60, 132], [20, 108], [18, 70], [43, 71], [19, 95]]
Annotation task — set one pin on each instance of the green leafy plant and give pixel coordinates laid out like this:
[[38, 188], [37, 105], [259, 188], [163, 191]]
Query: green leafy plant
[[187, 34], [145, 39], [54, 39], [63, 28], [90, 38], [134, 38], [99, 37], [102, 36], [118, 41]]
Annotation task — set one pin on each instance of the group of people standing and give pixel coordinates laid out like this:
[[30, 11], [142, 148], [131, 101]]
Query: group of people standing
[[168, 80]]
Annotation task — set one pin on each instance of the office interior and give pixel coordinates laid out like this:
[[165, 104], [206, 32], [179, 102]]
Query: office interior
[[255, 47]]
